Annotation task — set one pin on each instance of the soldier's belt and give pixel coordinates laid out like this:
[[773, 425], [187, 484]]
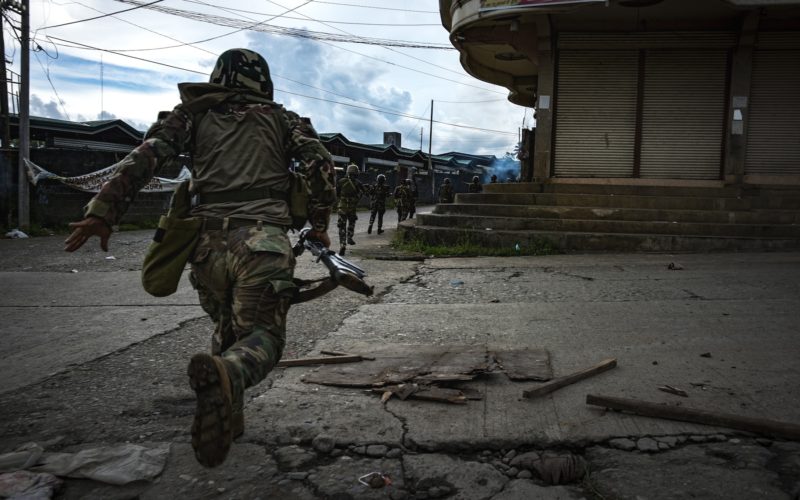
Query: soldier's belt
[[228, 223], [239, 196]]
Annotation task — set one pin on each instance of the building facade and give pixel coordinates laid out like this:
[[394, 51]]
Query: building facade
[[652, 92]]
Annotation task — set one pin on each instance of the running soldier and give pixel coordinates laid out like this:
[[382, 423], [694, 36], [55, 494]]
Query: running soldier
[[402, 194], [377, 204], [241, 142], [446, 192], [349, 191]]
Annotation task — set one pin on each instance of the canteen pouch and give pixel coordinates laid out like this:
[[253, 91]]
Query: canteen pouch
[[172, 246], [299, 198]]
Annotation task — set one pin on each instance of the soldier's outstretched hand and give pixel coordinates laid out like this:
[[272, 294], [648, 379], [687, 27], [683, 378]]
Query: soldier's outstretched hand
[[85, 229]]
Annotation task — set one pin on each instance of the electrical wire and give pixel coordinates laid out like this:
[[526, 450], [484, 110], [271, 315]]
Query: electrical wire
[[101, 17], [232, 10], [281, 30], [404, 115], [379, 8], [52, 85]]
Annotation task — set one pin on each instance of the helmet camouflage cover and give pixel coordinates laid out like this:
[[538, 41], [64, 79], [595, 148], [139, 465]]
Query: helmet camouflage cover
[[352, 169], [381, 178], [242, 69]]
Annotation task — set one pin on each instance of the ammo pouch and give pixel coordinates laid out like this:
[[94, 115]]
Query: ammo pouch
[[299, 198], [172, 246]]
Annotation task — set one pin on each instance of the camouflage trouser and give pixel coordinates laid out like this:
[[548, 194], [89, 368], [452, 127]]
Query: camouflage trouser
[[244, 281], [347, 226], [412, 208], [402, 212], [377, 211]]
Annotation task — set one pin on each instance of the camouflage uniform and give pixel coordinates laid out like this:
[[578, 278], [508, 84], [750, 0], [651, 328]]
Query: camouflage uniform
[[446, 192], [475, 186], [402, 194], [412, 199], [377, 204], [349, 191], [241, 143]]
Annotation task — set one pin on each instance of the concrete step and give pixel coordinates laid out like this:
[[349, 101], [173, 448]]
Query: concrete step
[[611, 226], [606, 201], [631, 214], [613, 189], [565, 241]]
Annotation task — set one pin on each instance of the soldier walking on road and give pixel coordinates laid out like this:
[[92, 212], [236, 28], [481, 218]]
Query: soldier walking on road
[[446, 192], [475, 186], [402, 194], [241, 142], [377, 204], [412, 199], [349, 191]]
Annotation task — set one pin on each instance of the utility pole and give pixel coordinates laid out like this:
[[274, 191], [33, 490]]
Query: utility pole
[[23, 202], [420, 138], [430, 160], [5, 133]]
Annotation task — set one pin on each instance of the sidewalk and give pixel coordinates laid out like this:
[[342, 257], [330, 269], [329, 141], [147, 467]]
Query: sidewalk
[[723, 328]]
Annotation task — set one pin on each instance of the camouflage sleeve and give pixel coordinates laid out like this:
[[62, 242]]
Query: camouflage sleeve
[[317, 165], [162, 144]]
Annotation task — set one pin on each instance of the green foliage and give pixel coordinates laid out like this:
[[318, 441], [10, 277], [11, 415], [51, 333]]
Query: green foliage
[[467, 247]]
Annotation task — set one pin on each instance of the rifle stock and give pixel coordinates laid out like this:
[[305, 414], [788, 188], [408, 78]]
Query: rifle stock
[[342, 271]]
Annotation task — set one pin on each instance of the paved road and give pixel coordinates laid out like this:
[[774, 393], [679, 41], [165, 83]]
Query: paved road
[[723, 328]]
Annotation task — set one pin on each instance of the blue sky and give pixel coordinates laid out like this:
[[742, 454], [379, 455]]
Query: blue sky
[[330, 82]]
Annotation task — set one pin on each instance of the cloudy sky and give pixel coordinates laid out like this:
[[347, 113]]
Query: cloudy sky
[[126, 65]]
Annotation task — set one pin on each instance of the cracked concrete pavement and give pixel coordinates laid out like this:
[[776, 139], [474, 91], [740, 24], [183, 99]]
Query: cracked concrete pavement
[[724, 328]]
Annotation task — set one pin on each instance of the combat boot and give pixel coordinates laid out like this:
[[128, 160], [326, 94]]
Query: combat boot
[[213, 418], [369, 229], [380, 231], [351, 241], [342, 250]]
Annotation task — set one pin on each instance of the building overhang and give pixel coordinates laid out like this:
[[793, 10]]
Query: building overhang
[[499, 40]]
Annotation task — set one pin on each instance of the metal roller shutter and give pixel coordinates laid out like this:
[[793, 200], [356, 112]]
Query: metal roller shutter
[[595, 113], [683, 114], [773, 128]]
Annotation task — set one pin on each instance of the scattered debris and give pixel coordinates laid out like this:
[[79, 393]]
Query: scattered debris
[[16, 234], [339, 353], [111, 257], [673, 390], [74, 271], [320, 361], [774, 428], [375, 480], [456, 283], [424, 392], [31, 485], [426, 365], [674, 266], [116, 465], [552, 467], [560, 382], [705, 355]]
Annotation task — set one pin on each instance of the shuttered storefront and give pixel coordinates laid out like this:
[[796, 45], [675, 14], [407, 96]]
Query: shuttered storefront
[[595, 120], [683, 114], [773, 128], [672, 86]]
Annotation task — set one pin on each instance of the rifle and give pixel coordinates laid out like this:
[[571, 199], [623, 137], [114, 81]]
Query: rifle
[[342, 271]]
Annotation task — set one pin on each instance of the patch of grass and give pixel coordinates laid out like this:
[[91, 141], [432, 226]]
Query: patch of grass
[[467, 247]]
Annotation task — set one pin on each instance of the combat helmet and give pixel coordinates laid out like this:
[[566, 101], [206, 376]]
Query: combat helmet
[[352, 169], [242, 69], [381, 178], [475, 179], [447, 181]]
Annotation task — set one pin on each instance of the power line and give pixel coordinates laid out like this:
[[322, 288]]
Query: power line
[[232, 10], [379, 8], [282, 30], [52, 86], [394, 113], [101, 17]]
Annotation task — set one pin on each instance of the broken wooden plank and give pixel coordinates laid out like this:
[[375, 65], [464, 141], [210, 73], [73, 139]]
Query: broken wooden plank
[[560, 382], [524, 363], [327, 360], [765, 426], [673, 390], [339, 353], [427, 393]]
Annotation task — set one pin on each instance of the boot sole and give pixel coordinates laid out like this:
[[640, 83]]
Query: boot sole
[[211, 429]]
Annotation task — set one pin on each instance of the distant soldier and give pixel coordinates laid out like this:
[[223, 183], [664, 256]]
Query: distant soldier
[[446, 192], [493, 179], [348, 191], [377, 203], [412, 200], [402, 195], [475, 186]]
